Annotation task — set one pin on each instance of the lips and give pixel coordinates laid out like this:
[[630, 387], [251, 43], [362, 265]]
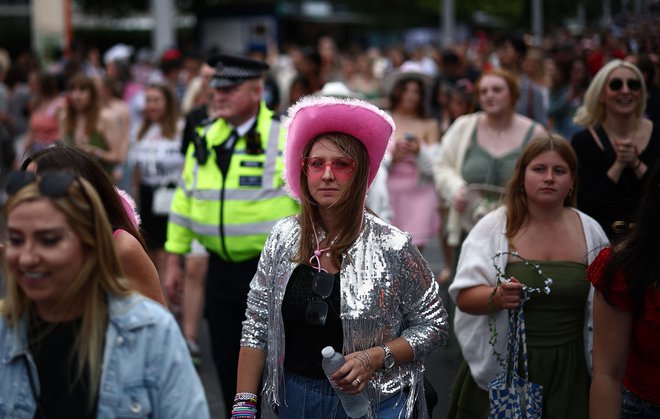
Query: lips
[[34, 279], [625, 99], [34, 276]]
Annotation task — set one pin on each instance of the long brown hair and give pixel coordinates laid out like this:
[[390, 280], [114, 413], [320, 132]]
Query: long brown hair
[[170, 117], [349, 207], [399, 88], [515, 197], [93, 111]]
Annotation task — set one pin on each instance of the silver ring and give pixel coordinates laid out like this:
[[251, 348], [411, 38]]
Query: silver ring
[[358, 380]]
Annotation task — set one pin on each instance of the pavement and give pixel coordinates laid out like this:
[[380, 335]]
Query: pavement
[[440, 365]]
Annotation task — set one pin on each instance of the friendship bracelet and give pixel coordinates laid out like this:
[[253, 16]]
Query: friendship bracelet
[[245, 396], [245, 406]]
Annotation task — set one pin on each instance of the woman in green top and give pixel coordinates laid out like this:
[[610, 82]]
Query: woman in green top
[[539, 224], [481, 148], [85, 124]]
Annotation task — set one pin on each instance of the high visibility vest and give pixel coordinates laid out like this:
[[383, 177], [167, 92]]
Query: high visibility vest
[[231, 216]]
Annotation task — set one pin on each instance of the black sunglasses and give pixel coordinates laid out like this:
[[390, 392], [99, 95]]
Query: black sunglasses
[[317, 310], [53, 184], [616, 84]]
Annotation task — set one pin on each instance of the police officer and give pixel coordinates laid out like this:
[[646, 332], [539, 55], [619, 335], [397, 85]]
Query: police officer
[[229, 198]]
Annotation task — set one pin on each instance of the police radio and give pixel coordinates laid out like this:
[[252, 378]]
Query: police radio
[[201, 148]]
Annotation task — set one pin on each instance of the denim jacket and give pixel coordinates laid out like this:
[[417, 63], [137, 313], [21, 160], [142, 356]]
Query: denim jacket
[[147, 371]]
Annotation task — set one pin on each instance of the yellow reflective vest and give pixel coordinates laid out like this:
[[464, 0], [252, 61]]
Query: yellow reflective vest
[[231, 216]]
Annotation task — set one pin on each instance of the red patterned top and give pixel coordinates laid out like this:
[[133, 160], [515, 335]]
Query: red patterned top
[[643, 370]]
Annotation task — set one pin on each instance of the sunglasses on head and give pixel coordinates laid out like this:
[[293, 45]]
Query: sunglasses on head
[[616, 84], [53, 184], [317, 310], [315, 167]]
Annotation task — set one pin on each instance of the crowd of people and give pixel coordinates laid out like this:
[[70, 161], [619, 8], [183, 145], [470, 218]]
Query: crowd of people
[[287, 198]]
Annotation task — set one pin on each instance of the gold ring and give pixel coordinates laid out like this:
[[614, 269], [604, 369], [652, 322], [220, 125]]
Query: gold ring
[[358, 380]]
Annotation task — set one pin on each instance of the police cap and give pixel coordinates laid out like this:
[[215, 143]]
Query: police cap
[[231, 70]]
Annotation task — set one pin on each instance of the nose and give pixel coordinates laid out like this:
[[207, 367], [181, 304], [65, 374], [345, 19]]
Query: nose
[[549, 176], [327, 172], [27, 257]]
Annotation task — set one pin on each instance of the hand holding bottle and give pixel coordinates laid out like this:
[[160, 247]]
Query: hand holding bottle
[[353, 401]]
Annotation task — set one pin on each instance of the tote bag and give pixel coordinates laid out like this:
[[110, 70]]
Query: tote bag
[[512, 395]]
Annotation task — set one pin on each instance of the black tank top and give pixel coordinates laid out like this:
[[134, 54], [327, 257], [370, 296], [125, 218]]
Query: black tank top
[[303, 341]]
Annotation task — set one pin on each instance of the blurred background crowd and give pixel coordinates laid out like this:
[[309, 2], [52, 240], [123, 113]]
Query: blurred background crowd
[[110, 100], [34, 94]]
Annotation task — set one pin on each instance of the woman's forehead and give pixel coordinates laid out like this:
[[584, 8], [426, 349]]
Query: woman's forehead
[[325, 145], [491, 79], [38, 213]]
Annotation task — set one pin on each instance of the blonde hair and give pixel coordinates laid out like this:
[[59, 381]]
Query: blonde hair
[[515, 197], [349, 207], [101, 275], [592, 111]]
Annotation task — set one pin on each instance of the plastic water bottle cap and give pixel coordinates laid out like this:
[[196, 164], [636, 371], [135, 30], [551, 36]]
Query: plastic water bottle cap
[[328, 351]]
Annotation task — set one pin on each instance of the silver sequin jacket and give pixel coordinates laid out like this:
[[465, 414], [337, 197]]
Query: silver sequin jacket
[[387, 290]]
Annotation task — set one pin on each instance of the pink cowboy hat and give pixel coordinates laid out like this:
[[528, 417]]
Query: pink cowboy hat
[[315, 115]]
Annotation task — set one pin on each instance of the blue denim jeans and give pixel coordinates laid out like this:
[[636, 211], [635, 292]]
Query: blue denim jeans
[[312, 398], [634, 407]]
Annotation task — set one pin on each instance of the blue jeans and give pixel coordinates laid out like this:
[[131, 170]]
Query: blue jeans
[[634, 407], [313, 398]]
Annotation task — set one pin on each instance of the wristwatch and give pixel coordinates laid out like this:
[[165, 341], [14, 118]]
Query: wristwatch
[[388, 361]]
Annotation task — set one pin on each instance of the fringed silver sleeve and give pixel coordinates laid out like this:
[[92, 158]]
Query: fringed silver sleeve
[[387, 291]]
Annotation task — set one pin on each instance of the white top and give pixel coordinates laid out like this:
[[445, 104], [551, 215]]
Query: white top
[[158, 158], [448, 166]]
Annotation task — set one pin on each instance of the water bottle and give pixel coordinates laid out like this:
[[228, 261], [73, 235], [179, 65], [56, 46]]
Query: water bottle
[[355, 405]]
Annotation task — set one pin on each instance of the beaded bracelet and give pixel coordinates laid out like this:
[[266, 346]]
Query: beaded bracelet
[[245, 406], [245, 396]]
